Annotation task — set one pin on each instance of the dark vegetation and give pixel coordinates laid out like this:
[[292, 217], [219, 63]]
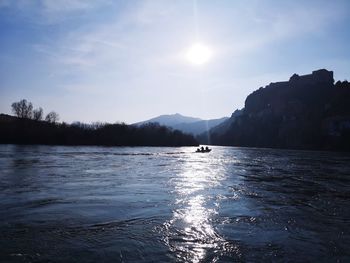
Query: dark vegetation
[[306, 112], [24, 110], [29, 128]]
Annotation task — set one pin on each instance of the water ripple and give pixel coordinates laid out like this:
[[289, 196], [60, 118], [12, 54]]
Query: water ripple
[[143, 204]]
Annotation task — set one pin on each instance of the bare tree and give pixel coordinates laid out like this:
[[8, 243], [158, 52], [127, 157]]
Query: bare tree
[[38, 114], [52, 117], [22, 109]]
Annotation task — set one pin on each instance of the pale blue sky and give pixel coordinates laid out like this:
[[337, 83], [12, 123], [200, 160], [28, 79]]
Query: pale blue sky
[[125, 60]]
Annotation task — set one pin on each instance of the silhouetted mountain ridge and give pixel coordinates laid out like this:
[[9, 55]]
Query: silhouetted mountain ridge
[[170, 120], [306, 112], [185, 124], [199, 127]]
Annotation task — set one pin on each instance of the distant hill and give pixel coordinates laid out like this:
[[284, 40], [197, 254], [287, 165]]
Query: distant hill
[[169, 120], [224, 126], [199, 127], [306, 112], [185, 124]]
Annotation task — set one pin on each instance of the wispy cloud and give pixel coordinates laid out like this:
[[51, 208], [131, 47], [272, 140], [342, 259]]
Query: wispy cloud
[[4, 3], [53, 11], [62, 6], [260, 25], [149, 36], [122, 42], [134, 49]]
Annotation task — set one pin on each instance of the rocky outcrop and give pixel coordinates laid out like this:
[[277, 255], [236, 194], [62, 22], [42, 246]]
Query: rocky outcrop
[[306, 112], [288, 97]]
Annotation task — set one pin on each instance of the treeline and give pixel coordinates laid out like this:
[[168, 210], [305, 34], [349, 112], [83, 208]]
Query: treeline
[[28, 129], [24, 109]]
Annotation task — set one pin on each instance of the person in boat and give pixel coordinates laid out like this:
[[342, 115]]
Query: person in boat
[[202, 150]]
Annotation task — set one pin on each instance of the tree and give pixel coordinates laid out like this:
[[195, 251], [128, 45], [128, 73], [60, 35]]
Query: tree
[[23, 109], [38, 114], [52, 117]]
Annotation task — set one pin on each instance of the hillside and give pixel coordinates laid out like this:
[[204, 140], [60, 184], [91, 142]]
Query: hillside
[[225, 126], [185, 124], [306, 112], [169, 120], [199, 127]]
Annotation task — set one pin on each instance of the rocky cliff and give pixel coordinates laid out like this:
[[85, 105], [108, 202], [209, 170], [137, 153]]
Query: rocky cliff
[[306, 112]]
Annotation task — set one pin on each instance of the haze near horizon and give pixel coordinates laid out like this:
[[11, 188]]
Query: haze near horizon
[[131, 61]]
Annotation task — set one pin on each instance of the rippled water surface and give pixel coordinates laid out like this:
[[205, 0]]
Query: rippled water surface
[[97, 204]]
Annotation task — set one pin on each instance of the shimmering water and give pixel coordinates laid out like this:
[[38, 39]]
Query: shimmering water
[[97, 204]]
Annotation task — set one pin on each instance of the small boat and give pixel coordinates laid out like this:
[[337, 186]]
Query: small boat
[[202, 150]]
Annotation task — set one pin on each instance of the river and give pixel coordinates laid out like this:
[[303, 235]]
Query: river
[[159, 204]]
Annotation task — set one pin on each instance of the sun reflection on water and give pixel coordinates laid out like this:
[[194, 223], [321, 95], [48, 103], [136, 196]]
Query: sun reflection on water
[[190, 233]]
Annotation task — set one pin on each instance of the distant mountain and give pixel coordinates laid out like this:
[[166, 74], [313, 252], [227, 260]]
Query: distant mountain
[[169, 120], [306, 112], [209, 136], [185, 124], [199, 127], [225, 126]]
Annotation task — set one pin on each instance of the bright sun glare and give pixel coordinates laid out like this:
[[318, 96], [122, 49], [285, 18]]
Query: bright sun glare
[[198, 54]]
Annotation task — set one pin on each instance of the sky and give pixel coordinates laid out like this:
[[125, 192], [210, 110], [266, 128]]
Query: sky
[[127, 60]]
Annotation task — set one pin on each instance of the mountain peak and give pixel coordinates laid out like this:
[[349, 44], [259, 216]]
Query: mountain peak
[[171, 119], [184, 123]]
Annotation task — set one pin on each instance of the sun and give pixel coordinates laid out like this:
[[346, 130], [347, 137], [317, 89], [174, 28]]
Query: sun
[[198, 54]]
